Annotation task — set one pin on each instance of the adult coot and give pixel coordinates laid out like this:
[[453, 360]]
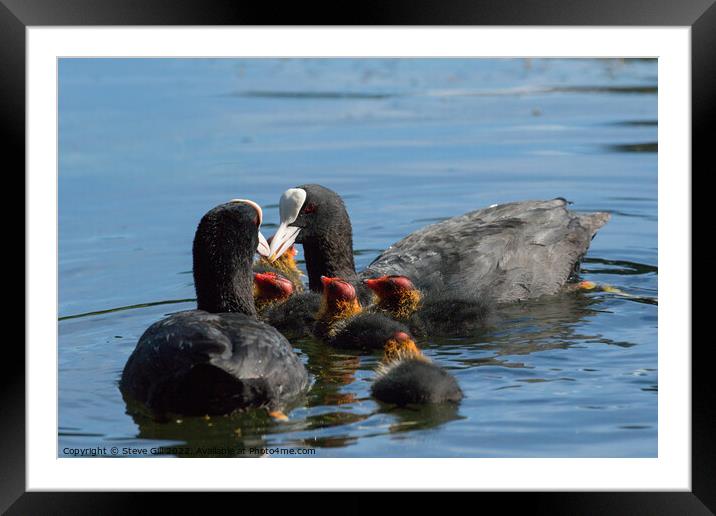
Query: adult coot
[[509, 252], [218, 358]]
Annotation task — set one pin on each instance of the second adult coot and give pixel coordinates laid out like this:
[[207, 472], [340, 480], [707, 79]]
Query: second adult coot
[[511, 252]]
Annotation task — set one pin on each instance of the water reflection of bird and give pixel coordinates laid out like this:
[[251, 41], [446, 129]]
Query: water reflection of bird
[[534, 326], [236, 435], [217, 358], [421, 417], [513, 251]]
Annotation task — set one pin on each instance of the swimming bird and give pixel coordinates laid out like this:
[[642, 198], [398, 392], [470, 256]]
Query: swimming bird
[[270, 289], [508, 252], [219, 357], [296, 316], [342, 323], [446, 313], [408, 377], [284, 265], [291, 313]]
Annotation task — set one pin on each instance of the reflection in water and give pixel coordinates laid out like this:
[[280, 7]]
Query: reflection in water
[[218, 436], [422, 417], [621, 266]]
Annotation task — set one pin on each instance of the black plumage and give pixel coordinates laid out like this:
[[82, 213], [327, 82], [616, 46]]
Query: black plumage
[[366, 331], [295, 317], [197, 363], [449, 314], [218, 358], [507, 252], [415, 381], [444, 313]]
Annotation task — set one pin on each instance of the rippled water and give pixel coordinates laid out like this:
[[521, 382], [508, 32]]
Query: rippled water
[[148, 146]]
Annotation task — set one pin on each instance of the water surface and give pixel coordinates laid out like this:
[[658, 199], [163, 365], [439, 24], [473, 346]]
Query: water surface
[[147, 146]]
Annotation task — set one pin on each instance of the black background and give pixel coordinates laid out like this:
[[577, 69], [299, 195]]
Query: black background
[[15, 15]]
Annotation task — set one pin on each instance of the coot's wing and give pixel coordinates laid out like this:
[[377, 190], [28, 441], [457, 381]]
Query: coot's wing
[[259, 350], [508, 252], [198, 362]]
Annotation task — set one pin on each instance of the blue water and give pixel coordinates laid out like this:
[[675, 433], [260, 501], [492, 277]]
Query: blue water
[[147, 146]]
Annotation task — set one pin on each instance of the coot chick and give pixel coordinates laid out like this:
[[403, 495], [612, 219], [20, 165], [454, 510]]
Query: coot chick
[[296, 316], [441, 313], [270, 288], [218, 358], [513, 251], [342, 323], [284, 265], [410, 378], [291, 311]]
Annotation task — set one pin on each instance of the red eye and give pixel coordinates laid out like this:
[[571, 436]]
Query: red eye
[[309, 208]]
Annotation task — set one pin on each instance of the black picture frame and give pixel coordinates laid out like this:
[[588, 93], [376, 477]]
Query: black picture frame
[[16, 15]]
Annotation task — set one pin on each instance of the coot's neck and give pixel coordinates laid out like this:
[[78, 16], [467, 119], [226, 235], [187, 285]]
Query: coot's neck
[[231, 295], [329, 255], [225, 287]]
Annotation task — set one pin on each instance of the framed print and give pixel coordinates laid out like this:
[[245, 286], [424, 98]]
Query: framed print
[[452, 242]]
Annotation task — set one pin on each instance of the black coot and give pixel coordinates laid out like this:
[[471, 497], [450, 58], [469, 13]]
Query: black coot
[[509, 252], [218, 358]]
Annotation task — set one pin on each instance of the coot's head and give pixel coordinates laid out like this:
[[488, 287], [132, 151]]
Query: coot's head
[[270, 286], [406, 376], [338, 289], [310, 212], [396, 294], [339, 299], [386, 286], [225, 242], [400, 346]]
